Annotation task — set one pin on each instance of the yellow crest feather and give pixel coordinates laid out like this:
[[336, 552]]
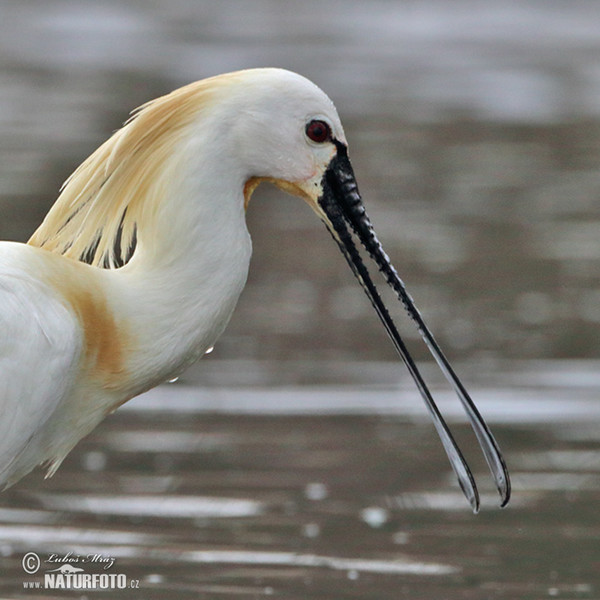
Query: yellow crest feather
[[114, 193]]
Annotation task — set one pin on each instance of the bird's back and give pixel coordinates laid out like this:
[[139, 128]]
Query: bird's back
[[40, 347]]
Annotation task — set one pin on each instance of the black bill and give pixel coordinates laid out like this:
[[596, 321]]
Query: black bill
[[345, 212]]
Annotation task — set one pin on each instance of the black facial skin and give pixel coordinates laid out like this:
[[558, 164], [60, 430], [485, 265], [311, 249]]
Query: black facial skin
[[345, 211]]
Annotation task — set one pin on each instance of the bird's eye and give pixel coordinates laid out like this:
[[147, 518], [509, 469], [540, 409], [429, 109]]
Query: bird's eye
[[318, 131]]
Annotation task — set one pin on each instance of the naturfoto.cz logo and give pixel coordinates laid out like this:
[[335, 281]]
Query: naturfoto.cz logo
[[64, 573]]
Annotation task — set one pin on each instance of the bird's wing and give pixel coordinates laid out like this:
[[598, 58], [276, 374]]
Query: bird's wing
[[39, 347]]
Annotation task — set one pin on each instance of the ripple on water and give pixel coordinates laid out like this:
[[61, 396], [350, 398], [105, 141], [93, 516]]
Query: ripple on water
[[507, 405], [35, 535], [398, 566], [154, 506], [575, 460], [447, 501], [166, 441]]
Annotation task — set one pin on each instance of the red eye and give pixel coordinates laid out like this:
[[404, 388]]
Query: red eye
[[318, 131]]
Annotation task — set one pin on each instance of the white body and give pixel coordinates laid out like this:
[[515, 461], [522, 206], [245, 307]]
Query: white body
[[76, 340]]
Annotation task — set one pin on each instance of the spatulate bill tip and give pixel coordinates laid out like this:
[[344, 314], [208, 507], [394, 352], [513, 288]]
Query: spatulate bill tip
[[504, 498], [470, 492], [502, 479]]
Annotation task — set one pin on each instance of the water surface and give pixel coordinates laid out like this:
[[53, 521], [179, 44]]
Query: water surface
[[296, 462], [321, 492]]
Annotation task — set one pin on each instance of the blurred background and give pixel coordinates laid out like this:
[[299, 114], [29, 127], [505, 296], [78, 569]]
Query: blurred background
[[296, 460], [474, 129]]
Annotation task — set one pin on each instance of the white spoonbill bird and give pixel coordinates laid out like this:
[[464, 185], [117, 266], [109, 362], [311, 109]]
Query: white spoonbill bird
[[137, 268]]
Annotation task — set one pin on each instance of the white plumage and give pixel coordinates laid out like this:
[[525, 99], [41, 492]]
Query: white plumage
[[41, 343]]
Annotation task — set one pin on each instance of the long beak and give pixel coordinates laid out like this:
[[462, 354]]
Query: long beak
[[345, 212]]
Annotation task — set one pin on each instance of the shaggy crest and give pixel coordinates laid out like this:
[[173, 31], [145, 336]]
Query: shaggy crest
[[114, 194]]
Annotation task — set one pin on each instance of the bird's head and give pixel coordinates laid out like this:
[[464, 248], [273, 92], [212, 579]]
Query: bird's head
[[284, 129], [288, 132]]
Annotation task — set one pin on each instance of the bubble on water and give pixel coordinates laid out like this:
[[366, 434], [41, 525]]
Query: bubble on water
[[401, 537], [311, 530], [316, 491], [375, 516], [94, 461]]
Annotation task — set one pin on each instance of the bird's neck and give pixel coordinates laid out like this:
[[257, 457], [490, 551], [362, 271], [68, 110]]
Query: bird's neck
[[183, 282]]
